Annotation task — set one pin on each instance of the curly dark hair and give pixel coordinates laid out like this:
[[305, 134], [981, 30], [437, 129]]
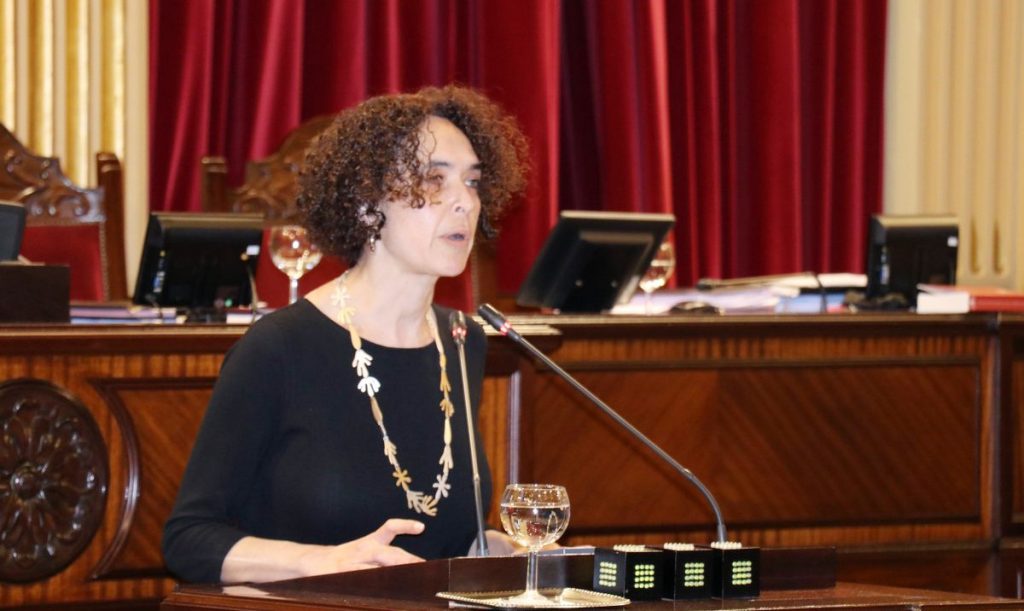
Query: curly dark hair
[[369, 154]]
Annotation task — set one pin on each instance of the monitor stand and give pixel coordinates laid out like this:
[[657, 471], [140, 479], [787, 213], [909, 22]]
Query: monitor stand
[[214, 315]]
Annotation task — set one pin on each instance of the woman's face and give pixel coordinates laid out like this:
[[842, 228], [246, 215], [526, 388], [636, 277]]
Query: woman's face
[[436, 239]]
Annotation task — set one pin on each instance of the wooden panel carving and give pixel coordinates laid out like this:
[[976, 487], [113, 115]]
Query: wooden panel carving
[[53, 479], [493, 422], [88, 360], [874, 434], [159, 418], [1015, 420], [789, 446]]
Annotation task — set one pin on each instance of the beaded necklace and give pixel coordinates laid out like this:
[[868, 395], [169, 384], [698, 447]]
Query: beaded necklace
[[420, 502]]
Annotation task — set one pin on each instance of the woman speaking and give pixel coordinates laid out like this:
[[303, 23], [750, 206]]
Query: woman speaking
[[335, 438]]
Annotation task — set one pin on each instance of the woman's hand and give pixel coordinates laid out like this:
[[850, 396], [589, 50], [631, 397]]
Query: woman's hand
[[256, 560], [373, 550]]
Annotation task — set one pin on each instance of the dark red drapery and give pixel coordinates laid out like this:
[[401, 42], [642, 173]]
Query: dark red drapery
[[759, 124], [234, 77]]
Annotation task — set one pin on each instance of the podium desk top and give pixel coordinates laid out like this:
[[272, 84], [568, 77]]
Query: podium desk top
[[795, 578], [842, 596]]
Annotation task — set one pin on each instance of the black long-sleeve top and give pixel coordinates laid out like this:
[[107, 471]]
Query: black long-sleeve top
[[289, 449]]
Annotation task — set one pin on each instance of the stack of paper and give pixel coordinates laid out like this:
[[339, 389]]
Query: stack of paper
[[796, 293], [111, 314]]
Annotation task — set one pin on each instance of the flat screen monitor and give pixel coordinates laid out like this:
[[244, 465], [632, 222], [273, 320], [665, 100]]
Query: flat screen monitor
[[12, 227], [593, 260], [199, 260], [904, 251]]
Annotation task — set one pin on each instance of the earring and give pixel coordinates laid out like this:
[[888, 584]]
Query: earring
[[373, 243]]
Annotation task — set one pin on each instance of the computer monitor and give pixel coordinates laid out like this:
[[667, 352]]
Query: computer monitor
[[198, 261], [12, 227], [904, 251], [593, 260]]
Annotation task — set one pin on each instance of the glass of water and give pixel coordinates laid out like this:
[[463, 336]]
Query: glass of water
[[534, 515], [660, 270], [294, 254]]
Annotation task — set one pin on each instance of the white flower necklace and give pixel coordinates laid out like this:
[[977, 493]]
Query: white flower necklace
[[418, 501]]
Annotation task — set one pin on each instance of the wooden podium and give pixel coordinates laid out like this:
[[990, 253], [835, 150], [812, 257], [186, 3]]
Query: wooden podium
[[762, 408], [800, 578]]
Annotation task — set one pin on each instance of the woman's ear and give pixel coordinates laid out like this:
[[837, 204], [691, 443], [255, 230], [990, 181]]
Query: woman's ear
[[368, 218]]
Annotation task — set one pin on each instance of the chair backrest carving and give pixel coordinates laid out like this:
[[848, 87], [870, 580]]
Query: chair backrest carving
[[51, 199], [271, 184]]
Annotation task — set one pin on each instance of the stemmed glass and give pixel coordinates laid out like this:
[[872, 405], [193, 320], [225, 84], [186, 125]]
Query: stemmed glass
[[660, 270], [534, 515], [294, 254]]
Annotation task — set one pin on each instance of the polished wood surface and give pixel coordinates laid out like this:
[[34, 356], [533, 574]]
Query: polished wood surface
[[1012, 438], [895, 438], [145, 388], [874, 433], [843, 596], [825, 433], [415, 587]]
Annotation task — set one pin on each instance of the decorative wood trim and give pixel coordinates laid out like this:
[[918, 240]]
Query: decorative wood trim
[[788, 325], [110, 389], [803, 363], [54, 476]]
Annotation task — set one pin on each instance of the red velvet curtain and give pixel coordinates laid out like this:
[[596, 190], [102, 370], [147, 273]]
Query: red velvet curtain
[[232, 78], [758, 123]]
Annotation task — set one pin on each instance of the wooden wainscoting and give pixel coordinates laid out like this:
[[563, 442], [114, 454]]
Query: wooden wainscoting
[[895, 438], [126, 403], [871, 433]]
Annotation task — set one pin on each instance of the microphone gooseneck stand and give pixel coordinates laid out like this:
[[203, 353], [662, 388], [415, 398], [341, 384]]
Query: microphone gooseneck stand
[[501, 324], [458, 326]]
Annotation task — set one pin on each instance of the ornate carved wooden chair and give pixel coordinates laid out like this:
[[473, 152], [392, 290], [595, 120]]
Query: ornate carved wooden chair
[[270, 188], [67, 224], [271, 183]]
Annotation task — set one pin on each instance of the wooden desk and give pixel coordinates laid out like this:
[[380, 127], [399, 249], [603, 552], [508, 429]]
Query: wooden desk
[[127, 401], [871, 432], [896, 438], [843, 596], [414, 587]]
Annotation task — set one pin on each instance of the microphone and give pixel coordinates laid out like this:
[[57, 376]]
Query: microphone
[[502, 325], [253, 296], [457, 322]]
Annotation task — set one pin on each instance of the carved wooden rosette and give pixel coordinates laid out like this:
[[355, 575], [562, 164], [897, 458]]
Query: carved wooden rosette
[[53, 479]]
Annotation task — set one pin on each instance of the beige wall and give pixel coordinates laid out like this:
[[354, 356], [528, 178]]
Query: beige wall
[[75, 82], [954, 123]]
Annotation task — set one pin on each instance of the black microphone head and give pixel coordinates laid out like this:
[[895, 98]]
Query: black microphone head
[[457, 322], [493, 317]]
